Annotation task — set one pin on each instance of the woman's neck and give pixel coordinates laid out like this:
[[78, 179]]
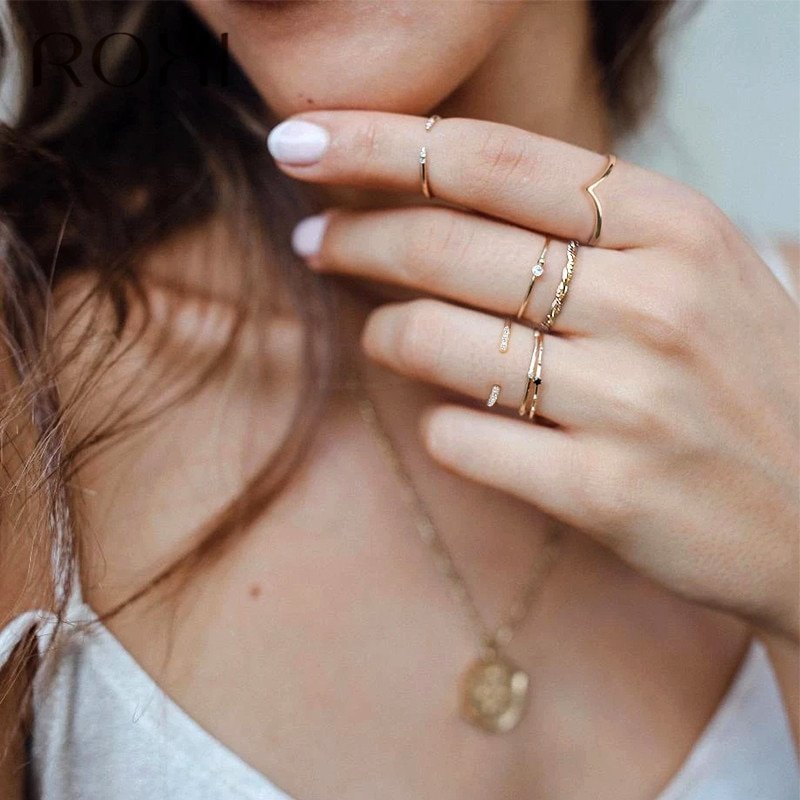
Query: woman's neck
[[541, 77]]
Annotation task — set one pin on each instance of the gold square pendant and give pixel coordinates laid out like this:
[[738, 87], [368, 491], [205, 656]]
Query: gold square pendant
[[494, 694]]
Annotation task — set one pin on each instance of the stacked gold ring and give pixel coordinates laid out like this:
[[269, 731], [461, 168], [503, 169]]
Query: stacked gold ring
[[536, 270], [533, 381], [505, 335]]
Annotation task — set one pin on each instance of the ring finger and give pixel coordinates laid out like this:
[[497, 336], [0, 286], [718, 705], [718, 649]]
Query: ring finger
[[457, 348]]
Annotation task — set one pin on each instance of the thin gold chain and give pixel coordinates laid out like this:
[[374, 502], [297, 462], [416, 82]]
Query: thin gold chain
[[491, 640]]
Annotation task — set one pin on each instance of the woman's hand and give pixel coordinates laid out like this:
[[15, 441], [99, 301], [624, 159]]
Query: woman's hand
[[670, 377]]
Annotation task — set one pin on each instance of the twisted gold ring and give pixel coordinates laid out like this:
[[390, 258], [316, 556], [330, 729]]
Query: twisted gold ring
[[563, 286]]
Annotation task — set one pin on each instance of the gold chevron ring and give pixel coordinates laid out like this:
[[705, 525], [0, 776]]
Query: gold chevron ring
[[598, 208]]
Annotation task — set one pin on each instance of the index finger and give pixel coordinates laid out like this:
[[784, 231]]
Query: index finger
[[505, 172]]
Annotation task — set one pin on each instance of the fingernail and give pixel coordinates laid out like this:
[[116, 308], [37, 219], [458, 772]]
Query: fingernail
[[296, 141], [307, 235]]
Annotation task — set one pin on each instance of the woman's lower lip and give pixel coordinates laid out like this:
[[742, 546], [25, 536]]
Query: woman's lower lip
[[274, 7], [256, 4], [274, 10]]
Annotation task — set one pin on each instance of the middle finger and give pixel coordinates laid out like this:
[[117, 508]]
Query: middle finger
[[472, 260]]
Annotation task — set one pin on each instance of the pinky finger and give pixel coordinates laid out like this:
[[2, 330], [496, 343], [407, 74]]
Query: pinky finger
[[546, 467]]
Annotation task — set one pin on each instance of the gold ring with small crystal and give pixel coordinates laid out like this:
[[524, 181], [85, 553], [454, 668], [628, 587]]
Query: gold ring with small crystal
[[536, 270], [423, 159]]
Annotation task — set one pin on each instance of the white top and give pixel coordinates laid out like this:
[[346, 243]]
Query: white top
[[103, 729]]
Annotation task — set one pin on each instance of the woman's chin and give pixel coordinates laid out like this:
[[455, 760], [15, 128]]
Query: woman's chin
[[404, 56]]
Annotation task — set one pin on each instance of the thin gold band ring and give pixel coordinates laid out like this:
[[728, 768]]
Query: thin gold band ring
[[533, 380], [536, 270], [598, 208]]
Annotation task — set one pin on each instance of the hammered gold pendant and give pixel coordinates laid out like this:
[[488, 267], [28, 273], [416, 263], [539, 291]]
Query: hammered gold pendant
[[494, 694]]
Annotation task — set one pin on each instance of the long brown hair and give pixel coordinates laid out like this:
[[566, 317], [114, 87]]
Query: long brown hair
[[94, 175]]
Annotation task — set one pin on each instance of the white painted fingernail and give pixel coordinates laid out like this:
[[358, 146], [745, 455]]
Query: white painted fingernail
[[296, 141], [307, 235]]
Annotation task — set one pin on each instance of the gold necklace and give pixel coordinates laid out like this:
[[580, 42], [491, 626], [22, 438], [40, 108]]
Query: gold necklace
[[493, 690]]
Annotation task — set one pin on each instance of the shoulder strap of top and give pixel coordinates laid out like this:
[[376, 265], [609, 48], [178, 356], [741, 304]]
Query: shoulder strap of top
[[775, 260], [12, 634], [75, 602], [746, 750]]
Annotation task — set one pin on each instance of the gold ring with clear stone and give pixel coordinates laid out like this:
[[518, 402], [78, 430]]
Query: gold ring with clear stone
[[423, 159]]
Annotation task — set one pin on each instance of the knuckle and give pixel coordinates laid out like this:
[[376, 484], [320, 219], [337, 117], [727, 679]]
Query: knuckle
[[420, 332], [671, 322], [366, 142], [704, 226], [505, 156], [656, 325], [712, 216], [640, 406], [608, 493], [438, 240]]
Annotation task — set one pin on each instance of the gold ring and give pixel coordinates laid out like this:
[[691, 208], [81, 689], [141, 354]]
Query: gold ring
[[423, 159], [536, 270], [598, 209], [505, 335], [533, 380], [563, 286]]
